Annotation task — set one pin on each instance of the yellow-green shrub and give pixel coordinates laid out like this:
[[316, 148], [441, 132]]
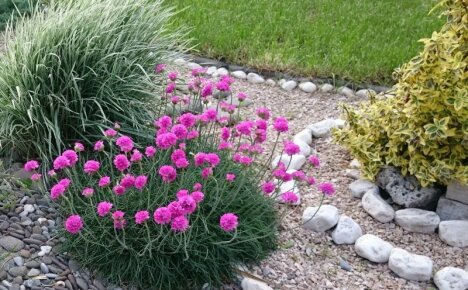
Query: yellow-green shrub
[[424, 128]]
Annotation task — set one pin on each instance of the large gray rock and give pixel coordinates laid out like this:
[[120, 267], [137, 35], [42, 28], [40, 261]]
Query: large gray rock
[[417, 220], [308, 87], [255, 78], [290, 162], [320, 220], [347, 231], [11, 244], [406, 190], [239, 74], [410, 266], [322, 128], [289, 85], [361, 186], [448, 209], [252, 284], [304, 136], [451, 278], [378, 208], [454, 233], [457, 191], [373, 248]]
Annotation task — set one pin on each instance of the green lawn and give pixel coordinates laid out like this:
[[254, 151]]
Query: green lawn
[[359, 40]]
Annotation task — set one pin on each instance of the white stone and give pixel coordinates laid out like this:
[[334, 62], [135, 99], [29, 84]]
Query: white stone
[[238, 74], [345, 91], [291, 162], [451, 278], [378, 208], [193, 65], [355, 164], [289, 85], [308, 87], [457, 191], [255, 78], [252, 284], [222, 71], [211, 70], [41, 220], [347, 231], [361, 186], [304, 136], [322, 128], [339, 123], [326, 88], [373, 248], [270, 82], [46, 249], [365, 93], [180, 61], [325, 218], [281, 82], [417, 220], [410, 266], [454, 233], [353, 173], [305, 149], [29, 208]]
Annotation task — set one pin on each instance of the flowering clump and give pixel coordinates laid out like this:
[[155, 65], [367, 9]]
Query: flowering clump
[[188, 197]]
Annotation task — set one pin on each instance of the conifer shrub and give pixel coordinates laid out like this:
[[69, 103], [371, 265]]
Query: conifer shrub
[[423, 129]]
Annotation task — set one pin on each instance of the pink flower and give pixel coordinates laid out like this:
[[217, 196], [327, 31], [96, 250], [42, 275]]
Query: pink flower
[[187, 119], [310, 180], [103, 208], [242, 96], [166, 140], [73, 224], [246, 160], [118, 190], [168, 173], [230, 177], [140, 181], [170, 87], [261, 124], [180, 224], [78, 147], [314, 161], [207, 90], [198, 196], [150, 151], [141, 217], [162, 216], [36, 177], [228, 222], [71, 156], [224, 145], [136, 156], [213, 159], [192, 135], [327, 188], [61, 162], [116, 126], [65, 182], [87, 192], [172, 75], [210, 114], [119, 220], [125, 143], [260, 136], [225, 133], [57, 191], [110, 133], [198, 71], [197, 186], [199, 158], [263, 113], [127, 181], [104, 181], [121, 162], [289, 197], [181, 163], [299, 175], [159, 68], [99, 145], [31, 165], [188, 204], [281, 124], [222, 86], [91, 166], [181, 193], [207, 172], [52, 173], [245, 127], [268, 187], [175, 209], [164, 122], [290, 148], [180, 131]]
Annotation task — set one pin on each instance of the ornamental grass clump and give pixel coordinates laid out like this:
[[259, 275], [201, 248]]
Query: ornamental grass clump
[[185, 209], [69, 69]]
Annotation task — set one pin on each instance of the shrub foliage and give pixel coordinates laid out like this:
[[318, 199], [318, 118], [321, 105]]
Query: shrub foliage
[[70, 70], [424, 128]]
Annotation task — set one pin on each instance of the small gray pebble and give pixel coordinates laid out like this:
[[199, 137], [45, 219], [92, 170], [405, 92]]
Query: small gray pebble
[[345, 265], [44, 268], [19, 261]]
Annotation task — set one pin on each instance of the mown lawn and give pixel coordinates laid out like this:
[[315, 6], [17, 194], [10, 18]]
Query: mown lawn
[[358, 40]]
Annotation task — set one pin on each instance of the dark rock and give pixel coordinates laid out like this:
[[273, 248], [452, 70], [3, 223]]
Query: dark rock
[[82, 283], [406, 190], [32, 264], [18, 271], [33, 242], [448, 209], [11, 244]]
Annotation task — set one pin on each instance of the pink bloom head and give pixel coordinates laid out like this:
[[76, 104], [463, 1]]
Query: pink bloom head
[[281, 124], [121, 162], [245, 127], [71, 156], [140, 181], [125, 143], [150, 151], [187, 119], [198, 196], [57, 191], [207, 90], [65, 182], [168, 173], [268, 187], [230, 177], [314, 160], [290, 148], [207, 172], [299, 175], [36, 177], [52, 173], [31, 165], [170, 88], [310, 180], [164, 122], [118, 190], [91, 166], [103, 208], [242, 96], [261, 124], [199, 158], [263, 113], [225, 133], [119, 220], [61, 162], [181, 193], [73, 224], [223, 145], [104, 181], [87, 192], [172, 75], [78, 147], [197, 186], [117, 126], [213, 159], [127, 181], [141, 217], [159, 68], [245, 160], [223, 86], [327, 188], [182, 163], [180, 224], [192, 135], [180, 131], [162, 216], [228, 222], [99, 145], [210, 115], [110, 133], [198, 71], [289, 197], [136, 156], [166, 140], [188, 204], [175, 209]]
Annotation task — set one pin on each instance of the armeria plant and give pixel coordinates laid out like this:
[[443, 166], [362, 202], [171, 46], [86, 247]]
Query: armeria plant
[[184, 210]]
